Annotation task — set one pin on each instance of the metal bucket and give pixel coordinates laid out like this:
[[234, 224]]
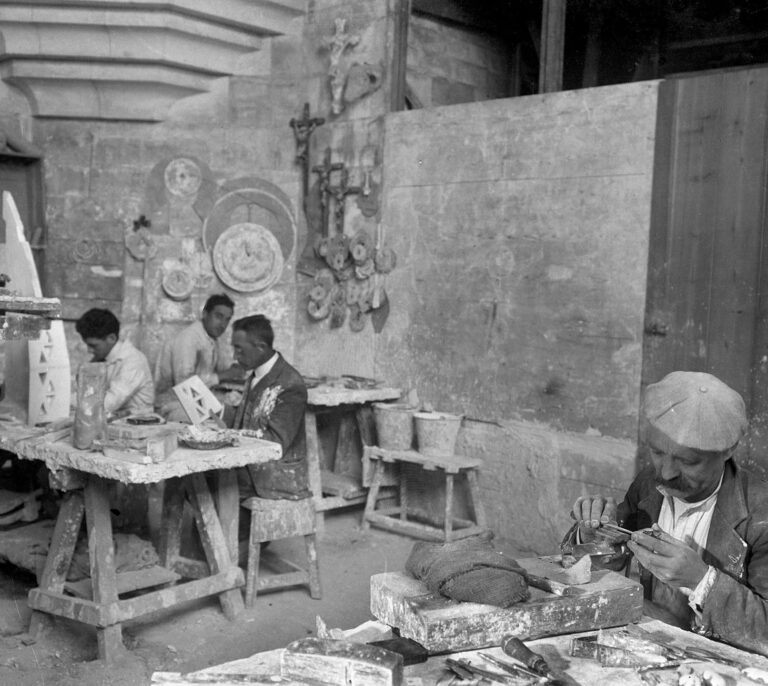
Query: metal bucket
[[436, 432], [394, 425]]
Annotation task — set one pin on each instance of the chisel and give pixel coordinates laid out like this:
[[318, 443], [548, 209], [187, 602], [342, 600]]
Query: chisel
[[515, 648]]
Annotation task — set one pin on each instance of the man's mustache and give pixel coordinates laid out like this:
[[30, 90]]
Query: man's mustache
[[676, 484]]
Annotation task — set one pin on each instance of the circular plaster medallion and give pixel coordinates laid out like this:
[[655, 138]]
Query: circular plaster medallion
[[183, 177], [247, 258], [178, 283], [263, 204], [141, 244]]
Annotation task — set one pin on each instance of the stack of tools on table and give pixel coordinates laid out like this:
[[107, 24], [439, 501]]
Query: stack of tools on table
[[649, 656]]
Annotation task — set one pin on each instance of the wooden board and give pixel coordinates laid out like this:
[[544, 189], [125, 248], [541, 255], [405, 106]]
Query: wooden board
[[329, 396], [338, 484], [134, 580], [441, 624], [341, 663]]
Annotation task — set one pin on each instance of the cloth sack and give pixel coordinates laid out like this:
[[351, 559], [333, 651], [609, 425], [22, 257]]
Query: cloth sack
[[469, 570]]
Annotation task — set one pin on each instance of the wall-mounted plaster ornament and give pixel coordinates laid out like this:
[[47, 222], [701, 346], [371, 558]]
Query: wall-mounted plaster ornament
[[361, 247], [247, 258], [362, 80], [256, 201], [183, 177], [180, 191], [202, 271], [337, 72], [356, 319], [141, 244], [85, 250], [178, 283]]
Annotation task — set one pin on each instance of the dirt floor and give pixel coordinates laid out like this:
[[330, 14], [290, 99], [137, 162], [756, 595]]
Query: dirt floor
[[197, 634]]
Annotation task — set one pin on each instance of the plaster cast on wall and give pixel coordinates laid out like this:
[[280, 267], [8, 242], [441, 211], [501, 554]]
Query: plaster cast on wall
[[339, 43]]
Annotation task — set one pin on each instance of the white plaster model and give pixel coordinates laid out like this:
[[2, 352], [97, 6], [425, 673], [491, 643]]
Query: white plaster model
[[37, 371]]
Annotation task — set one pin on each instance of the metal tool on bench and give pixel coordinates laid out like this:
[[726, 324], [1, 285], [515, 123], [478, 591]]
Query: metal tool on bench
[[515, 648], [689, 653], [517, 671], [464, 669]]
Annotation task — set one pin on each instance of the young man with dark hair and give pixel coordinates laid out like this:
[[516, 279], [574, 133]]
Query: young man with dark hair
[[129, 381], [273, 404], [199, 349]]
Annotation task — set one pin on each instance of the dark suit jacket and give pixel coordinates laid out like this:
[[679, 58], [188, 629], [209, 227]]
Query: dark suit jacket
[[736, 609], [276, 406]]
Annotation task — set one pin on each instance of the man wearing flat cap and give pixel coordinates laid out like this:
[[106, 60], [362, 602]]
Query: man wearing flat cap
[[705, 559]]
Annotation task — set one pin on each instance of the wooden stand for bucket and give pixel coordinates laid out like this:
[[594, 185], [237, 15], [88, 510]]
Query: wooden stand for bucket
[[396, 518]]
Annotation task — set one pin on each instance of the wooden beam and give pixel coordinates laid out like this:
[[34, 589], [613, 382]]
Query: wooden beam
[[552, 45], [400, 17]]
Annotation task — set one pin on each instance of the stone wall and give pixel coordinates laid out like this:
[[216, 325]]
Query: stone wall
[[520, 228], [448, 65], [523, 230]]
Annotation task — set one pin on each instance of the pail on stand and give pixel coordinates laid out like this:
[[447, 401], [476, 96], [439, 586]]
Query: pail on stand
[[394, 425], [436, 432]]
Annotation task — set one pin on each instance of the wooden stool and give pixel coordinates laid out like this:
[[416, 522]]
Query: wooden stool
[[272, 520], [396, 518]]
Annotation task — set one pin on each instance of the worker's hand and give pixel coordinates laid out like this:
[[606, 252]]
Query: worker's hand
[[668, 559], [591, 512]]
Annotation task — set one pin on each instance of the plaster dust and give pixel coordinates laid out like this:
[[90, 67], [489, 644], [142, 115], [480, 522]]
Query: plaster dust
[[197, 635]]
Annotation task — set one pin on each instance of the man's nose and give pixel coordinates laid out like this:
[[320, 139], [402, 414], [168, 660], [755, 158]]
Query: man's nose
[[668, 468]]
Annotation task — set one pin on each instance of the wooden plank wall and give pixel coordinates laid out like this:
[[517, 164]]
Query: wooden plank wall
[[704, 305]]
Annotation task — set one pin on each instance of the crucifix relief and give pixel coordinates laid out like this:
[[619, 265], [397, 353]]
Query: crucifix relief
[[338, 44], [339, 193], [324, 172]]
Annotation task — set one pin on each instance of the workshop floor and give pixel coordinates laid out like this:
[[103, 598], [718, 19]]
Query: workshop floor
[[198, 635]]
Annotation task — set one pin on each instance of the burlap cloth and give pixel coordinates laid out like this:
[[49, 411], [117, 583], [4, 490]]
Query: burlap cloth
[[469, 570]]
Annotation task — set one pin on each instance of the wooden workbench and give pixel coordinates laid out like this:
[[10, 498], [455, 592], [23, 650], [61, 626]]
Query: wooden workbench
[[347, 405], [86, 476], [264, 668]]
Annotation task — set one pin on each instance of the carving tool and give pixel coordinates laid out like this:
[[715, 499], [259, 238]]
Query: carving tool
[[516, 671], [616, 527], [515, 648], [466, 670]]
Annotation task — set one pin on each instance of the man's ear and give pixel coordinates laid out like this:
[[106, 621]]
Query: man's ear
[[111, 338]]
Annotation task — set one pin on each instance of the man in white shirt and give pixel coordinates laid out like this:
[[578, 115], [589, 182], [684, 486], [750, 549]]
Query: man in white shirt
[[130, 389], [700, 522], [199, 349]]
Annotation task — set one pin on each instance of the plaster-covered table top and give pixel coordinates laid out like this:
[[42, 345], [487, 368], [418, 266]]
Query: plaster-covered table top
[[331, 396], [128, 468]]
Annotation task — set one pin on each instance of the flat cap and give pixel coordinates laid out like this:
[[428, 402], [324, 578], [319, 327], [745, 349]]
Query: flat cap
[[693, 410]]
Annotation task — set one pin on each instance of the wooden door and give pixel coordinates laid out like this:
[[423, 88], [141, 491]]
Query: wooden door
[[707, 288]]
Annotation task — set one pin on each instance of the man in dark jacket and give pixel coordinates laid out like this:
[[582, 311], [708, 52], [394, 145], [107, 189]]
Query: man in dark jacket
[[273, 405], [700, 522]]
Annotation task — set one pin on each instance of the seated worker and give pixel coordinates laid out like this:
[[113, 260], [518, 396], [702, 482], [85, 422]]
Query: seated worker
[[197, 349], [273, 404], [130, 389], [706, 560]]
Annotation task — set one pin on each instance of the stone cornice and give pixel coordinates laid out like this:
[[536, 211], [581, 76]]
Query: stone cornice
[[129, 59]]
